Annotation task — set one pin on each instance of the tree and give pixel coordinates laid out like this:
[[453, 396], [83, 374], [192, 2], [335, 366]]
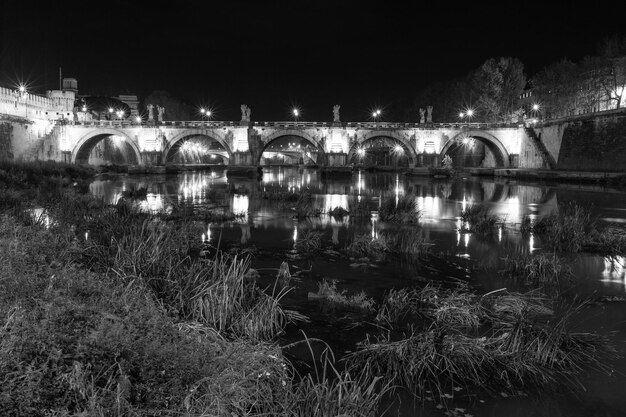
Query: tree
[[498, 84], [556, 88], [174, 109]]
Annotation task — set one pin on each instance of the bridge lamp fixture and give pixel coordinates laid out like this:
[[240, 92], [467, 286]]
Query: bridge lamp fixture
[[461, 115], [361, 151], [22, 89], [398, 149], [138, 119], [535, 107], [296, 112], [470, 113], [110, 109]]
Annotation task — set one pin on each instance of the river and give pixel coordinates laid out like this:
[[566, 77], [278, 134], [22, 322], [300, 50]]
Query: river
[[272, 231]]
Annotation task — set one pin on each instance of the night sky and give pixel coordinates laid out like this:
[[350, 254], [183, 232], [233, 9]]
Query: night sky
[[273, 55]]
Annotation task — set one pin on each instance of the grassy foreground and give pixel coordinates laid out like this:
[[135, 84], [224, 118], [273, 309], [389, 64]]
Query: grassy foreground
[[108, 311]]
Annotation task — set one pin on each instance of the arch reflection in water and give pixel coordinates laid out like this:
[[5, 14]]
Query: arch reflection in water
[[614, 272]]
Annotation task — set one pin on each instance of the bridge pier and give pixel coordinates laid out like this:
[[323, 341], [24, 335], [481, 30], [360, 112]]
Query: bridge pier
[[151, 158]]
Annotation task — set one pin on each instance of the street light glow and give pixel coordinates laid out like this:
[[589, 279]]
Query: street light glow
[[138, 119], [461, 115], [535, 107], [296, 112], [110, 109], [202, 110], [470, 112], [22, 89]]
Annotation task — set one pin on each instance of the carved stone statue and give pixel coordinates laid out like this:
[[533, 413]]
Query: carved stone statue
[[422, 111], [336, 108], [160, 111], [429, 115], [245, 113], [150, 108]]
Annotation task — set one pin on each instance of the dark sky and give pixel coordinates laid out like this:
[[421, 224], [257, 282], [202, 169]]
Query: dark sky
[[275, 54]]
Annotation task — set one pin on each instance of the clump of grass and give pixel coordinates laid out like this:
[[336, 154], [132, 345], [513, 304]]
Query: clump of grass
[[308, 242], [566, 230], [497, 342], [608, 241], [409, 242], [327, 290], [477, 218], [543, 270], [404, 211], [338, 213], [366, 246]]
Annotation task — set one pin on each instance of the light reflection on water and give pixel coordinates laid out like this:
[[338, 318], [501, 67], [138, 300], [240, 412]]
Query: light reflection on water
[[269, 227]]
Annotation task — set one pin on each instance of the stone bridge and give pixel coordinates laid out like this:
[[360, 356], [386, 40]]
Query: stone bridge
[[242, 144]]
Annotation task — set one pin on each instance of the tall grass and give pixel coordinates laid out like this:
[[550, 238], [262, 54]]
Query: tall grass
[[479, 219], [363, 245], [566, 230], [573, 229], [403, 211], [543, 270], [308, 242], [498, 342]]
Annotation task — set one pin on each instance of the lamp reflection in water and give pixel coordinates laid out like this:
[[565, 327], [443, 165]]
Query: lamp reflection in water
[[241, 202], [206, 237], [614, 272]]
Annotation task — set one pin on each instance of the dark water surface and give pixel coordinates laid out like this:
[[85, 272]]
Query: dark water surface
[[272, 231]]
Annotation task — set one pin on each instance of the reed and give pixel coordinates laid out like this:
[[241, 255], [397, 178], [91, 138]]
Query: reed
[[404, 210], [478, 218]]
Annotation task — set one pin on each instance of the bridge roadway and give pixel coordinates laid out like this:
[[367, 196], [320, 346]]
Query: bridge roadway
[[336, 144]]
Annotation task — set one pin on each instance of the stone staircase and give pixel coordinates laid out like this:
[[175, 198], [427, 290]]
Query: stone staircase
[[36, 150], [540, 147]]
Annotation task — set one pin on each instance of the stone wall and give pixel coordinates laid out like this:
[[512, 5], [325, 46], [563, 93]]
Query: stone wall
[[6, 149], [595, 142]]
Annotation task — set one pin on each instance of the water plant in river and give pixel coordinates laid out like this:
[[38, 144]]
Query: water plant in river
[[399, 210], [479, 219], [327, 291], [542, 270], [309, 241], [365, 245], [573, 229], [496, 342], [338, 213]]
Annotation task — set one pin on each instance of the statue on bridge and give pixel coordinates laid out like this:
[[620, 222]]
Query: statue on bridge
[[422, 111], [161, 111], [150, 108], [245, 113], [336, 108], [429, 115]]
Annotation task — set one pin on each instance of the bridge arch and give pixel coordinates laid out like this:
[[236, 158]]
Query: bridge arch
[[211, 134], [490, 141], [267, 140], [84, 146], [406, 144]]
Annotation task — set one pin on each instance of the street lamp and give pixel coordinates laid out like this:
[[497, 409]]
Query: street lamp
[[110, 113], [296, 113], [22, 94]]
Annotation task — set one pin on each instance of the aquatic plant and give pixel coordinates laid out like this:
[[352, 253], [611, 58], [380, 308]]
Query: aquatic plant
[[327, 291], [568, 229], [309, 241], [408, 242], [542, 270], [496, 342], [403, 211], [364, 245], [478, 218], [338, 213]]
